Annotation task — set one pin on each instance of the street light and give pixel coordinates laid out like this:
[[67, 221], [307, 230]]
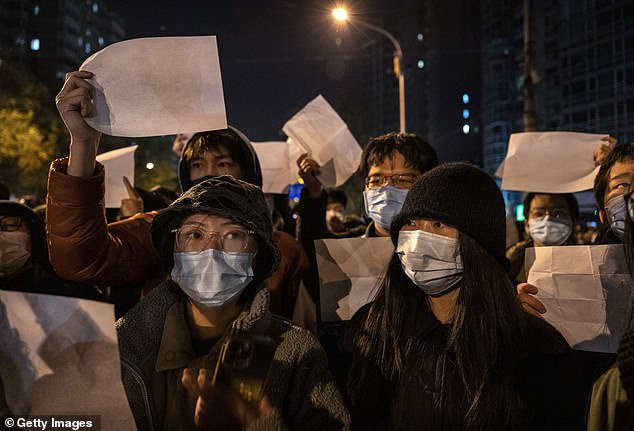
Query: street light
[[341, 14]]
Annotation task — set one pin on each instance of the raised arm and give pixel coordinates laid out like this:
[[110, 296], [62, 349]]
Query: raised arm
[[82, 247]]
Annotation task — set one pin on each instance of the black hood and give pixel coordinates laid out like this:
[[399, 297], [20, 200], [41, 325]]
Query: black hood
[[253, 172]]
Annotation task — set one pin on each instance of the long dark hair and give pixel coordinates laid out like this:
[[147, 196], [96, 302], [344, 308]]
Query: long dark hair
[[485, 339]]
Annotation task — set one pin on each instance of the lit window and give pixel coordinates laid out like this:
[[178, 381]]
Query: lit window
[[87, 48], [95, 8], [100, 40], [420, 64], [465, 98], [35, 44], [36, 10], [88, 32], [419, 37], [465, 113], [466, 129]]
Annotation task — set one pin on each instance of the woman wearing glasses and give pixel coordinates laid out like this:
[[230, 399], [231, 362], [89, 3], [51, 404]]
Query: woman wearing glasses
[[445, 345], [216, 242]]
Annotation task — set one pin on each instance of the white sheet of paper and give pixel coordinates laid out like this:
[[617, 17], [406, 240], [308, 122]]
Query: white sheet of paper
[[278, 160], [586, 291], [349, 272], [117, 164], [550, 162], [59, 356], [157, 86], [321, 133]]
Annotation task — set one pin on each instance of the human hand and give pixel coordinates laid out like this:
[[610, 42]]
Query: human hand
[[133, 203], [604, 150], [219, 408], [308, 171], [74, 104], [179, 143], [530, 304]]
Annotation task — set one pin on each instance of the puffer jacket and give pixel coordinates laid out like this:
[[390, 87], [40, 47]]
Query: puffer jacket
[[84, 248], [300, 388]]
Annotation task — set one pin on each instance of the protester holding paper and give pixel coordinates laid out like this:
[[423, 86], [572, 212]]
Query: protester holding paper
[[548, 221], [85, 248], [389, 164], [612, 401], [446, 344]]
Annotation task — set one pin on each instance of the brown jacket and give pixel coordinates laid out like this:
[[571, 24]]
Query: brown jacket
[[83, 247]]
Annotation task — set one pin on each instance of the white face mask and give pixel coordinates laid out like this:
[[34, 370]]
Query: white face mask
[[15, 251], [383, 204], [616, 208], [431, 261], [549, 232], [212, 278]]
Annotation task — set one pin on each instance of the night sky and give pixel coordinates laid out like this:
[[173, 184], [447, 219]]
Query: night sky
[[275, 56]]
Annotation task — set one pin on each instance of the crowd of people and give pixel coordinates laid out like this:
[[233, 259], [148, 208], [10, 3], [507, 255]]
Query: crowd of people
[[454, 338]]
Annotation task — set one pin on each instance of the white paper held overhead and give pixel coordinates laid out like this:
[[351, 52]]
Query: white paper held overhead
[[321, 133], [550, 162], [157, 86]]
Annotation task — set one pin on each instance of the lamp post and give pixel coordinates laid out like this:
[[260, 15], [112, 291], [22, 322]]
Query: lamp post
[[341, 15]]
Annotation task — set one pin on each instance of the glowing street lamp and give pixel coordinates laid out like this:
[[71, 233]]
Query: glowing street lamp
[[341, 15]]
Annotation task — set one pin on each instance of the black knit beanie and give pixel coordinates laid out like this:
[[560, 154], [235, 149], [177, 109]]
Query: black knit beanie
[[462, 196], [222, 196]]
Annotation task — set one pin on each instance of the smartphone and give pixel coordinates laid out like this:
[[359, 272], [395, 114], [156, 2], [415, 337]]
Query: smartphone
[[244, 363]]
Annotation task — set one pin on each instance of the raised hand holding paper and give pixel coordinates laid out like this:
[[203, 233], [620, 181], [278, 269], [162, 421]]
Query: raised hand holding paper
[[321, 133], [157, 86]]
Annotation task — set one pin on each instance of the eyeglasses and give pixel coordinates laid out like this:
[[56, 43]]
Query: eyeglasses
[[10, 223], [554, 213], [196, 239], [401, 181]]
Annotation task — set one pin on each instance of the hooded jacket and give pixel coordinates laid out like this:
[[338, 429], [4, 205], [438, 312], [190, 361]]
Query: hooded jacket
[[253, 173], [83, 247], [299, 387]]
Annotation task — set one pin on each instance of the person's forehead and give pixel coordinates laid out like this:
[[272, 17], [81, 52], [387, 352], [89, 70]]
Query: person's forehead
[[208, 220], [211, 155], [548, 201], [394, 163], [623, 169]]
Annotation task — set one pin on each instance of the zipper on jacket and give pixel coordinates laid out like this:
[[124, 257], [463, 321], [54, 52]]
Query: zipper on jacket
[[138, 378]]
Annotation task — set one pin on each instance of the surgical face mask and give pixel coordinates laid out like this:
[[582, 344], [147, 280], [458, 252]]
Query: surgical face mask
[[15, 251], [616, 209], [383, 204], [212, 278], [549, 232], [431, 261]]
